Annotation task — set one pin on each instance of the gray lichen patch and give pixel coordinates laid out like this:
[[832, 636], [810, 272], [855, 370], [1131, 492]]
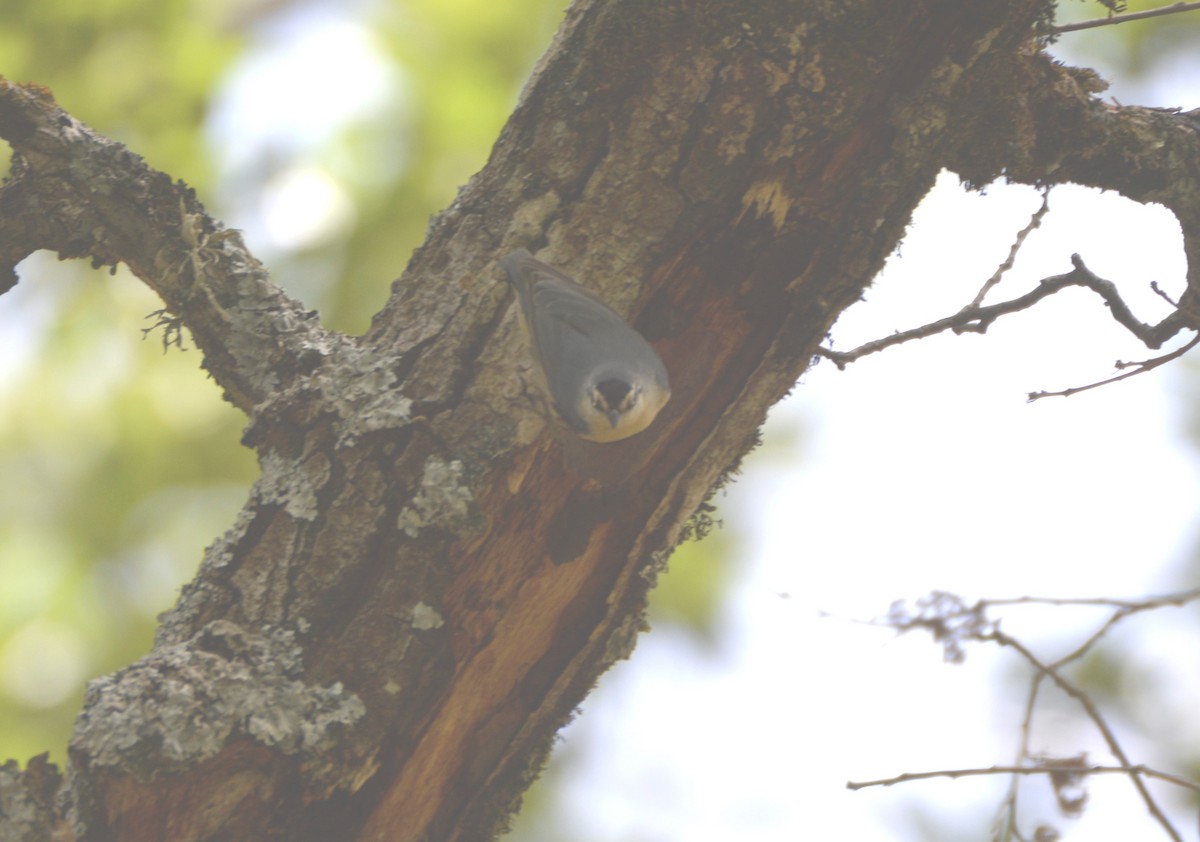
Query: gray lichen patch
[[292, 484], [181, 704], [442, 500], [361, 387]]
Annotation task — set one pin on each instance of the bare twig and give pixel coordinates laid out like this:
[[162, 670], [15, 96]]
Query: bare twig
[[1177, 599], [1089, 707], [1173, 9], [1035, 221], [1047, 769], [951, 620], [1124, 608], [1139, 367], [1161, 293], [1008, 809], [978, 319]]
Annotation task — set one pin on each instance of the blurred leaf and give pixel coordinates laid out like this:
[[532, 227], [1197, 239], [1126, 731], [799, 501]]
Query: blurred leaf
[[692, 590]]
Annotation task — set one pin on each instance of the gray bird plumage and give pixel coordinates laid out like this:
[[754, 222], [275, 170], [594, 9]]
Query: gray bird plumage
[[604, 379]]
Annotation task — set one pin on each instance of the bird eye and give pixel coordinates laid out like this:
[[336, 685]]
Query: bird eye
[[613, 395]]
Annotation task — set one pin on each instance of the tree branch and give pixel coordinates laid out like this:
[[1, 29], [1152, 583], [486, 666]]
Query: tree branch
[[952, 622], [1035, 222], [1125, 606], [253, 335], [1173, 9], [1139, 367], [1093, 713], [977, 319], [1049, 768], [1051, 128]]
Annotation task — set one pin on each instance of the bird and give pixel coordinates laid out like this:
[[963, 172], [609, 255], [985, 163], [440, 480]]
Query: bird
[[604, 379]]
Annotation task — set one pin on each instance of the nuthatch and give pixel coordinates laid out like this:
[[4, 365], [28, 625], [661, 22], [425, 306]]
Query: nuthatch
[[605, 380]]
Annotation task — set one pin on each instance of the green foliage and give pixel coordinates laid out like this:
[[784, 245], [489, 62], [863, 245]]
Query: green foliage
[[139, 71], [461, 64], [691, 591]]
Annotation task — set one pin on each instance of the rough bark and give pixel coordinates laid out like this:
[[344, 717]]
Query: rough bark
[[427, 579]]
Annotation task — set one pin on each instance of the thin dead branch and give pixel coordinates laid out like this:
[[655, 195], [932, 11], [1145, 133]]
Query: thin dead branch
[[977, 318], [973, 319], [953, 622], [1093, 713], [1139, 367], [1035, 222], [1173, 9], [1026, 771]]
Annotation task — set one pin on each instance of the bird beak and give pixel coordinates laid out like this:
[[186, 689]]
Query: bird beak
[[614, 417]]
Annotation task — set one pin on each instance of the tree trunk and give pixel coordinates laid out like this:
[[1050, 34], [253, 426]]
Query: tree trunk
[[429, 577]]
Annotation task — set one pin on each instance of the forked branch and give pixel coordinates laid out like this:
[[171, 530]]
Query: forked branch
[[977, 318], [953, 623], [1173, 9]]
